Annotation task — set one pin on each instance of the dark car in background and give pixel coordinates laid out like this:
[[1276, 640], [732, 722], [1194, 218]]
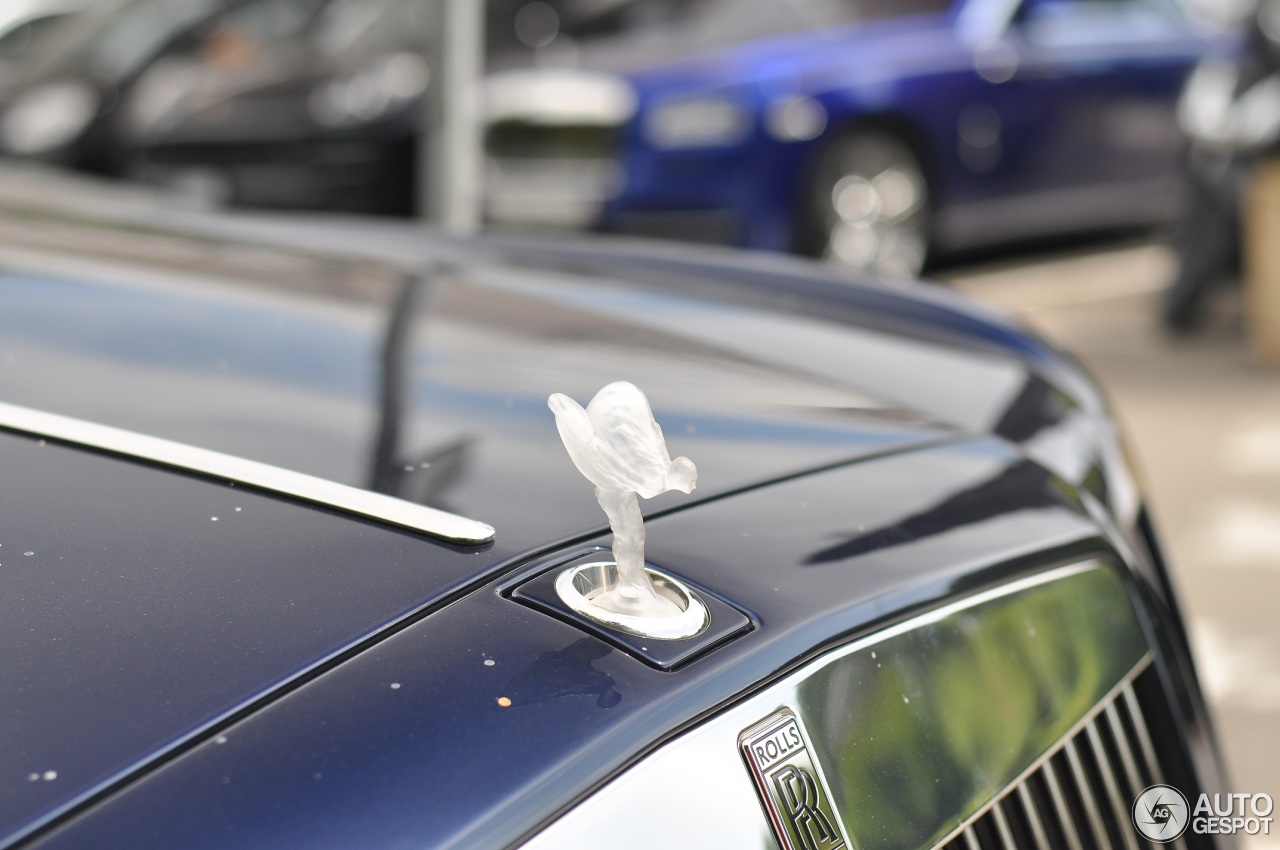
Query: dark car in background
[[871, 132], [283, 511], [322, 115], [72, 101]]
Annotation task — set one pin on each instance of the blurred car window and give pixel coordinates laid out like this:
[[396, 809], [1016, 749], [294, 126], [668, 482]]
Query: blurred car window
[[250, 31], [16, 42], [368, 27], [1167, 5], [115, 37], [140, 31], [273, 20], [1061, 22], [1169, 8], [707, 23]]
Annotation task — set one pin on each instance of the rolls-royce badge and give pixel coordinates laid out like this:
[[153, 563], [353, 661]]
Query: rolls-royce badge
[[791, 785]]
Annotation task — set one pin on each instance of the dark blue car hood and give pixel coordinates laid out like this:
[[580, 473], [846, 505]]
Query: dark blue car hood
[[154, 606]]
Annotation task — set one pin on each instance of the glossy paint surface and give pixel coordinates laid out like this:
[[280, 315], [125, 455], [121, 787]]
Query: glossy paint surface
[[305, 383], [408, 741], [450, 408], [459, 420], [138, 606], [842, 486]]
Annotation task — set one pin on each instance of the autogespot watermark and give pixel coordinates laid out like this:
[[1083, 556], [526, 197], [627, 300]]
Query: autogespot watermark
[[1161, 814]]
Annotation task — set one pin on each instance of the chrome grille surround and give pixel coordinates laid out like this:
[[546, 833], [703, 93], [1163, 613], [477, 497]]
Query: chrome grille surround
[[923, 729]]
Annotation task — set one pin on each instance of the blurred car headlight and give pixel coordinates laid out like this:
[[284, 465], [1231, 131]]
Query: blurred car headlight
[[697, 122], [1213, 111], [795, 119], [369, 93], [1205, 103], [48, 116]]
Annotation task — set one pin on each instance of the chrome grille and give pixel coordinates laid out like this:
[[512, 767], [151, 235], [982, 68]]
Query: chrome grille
[[1079, 795]]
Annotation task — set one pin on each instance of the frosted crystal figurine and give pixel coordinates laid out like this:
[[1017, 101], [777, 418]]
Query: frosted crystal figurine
[[618, 446]]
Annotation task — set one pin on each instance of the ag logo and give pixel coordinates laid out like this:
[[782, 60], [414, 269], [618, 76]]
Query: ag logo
[[791, 786], [1161, 813]]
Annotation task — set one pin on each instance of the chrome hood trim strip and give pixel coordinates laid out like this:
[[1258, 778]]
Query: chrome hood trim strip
[[308, 488]]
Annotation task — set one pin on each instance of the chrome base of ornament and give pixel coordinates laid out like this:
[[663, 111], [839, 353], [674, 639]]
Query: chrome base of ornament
[[586, 587]]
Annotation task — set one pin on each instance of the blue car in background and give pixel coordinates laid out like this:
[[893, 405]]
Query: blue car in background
[[875, 133]]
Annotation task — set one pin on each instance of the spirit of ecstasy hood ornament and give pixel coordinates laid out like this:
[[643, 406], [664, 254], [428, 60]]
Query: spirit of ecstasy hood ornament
[[618, 446]]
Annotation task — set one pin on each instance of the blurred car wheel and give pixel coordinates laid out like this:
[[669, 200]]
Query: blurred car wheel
[[868, 205]]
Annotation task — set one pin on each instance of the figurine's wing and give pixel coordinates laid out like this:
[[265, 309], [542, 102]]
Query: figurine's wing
[[622, 418], [571, 420], [588, 451]]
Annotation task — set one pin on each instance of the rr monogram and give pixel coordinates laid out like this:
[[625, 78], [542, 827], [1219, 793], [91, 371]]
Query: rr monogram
[[799, 796]]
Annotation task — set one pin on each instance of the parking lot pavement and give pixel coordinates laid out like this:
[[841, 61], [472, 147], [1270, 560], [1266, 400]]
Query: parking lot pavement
[[1203, 424]]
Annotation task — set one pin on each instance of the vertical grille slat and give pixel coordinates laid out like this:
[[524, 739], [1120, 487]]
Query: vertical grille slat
[[1002, 828], [1139, 723], [1033, 816], [1065, 818], [1140, 729], [1019, 825], [1127, 759], [1084, 788], [1119, 810], [1079, 795]]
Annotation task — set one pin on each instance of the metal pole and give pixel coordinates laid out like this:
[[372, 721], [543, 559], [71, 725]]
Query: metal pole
[[450, 155]]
